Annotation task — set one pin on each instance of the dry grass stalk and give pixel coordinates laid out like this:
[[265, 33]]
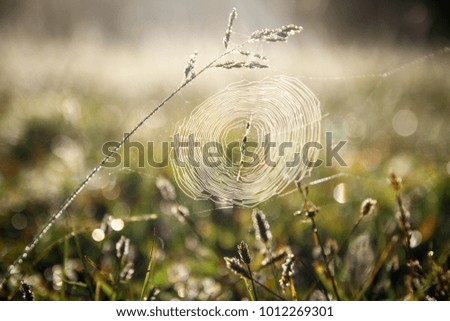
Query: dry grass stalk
[[231, 18], [367, 208], [403, 217], [414, 279], [244, 255]]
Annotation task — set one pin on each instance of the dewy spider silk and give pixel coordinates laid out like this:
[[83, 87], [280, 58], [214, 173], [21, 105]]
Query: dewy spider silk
[[244, 116]]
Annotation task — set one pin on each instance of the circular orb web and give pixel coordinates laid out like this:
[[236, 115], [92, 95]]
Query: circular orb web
[[244, 144]]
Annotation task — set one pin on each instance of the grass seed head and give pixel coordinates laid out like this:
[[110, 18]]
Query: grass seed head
[[368, 206], [287, 271], [241, 64], [153, 293], [396, 182], [166, 189], [27, 293], [189, 72], [182, 213], [127, 272], [231, 18], [278, 256], [261, 225], [275, 35], [123, 247], [244, 253], [234, 265]]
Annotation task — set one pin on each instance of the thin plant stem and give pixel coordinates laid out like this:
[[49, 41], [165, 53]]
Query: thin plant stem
[[293, 291], [272, 264], [377, 267], [324, 257], [317, 238], [269, 290], [317, 281], [249, 290], [404, 226], [253, 283], [148, 273], [83, 261], [265, 288], [194, 229], [63, 268], [353, 230]]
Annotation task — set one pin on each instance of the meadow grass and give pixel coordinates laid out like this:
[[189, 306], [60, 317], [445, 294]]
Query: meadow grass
[[377, 237]]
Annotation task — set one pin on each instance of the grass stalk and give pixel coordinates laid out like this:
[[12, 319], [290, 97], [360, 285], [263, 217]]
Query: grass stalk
[[252, 281], [310, 213], [148, 273]]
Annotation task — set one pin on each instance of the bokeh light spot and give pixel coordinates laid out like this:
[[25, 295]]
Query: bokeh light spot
[[98, 235], [340, 193], [416, 238], [117, 224], [405, 122], [19, 221]]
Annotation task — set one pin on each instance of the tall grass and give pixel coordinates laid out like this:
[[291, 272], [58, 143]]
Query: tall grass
[[289, 255]]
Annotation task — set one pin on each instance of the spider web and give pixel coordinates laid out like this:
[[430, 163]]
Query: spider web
[[247, 115]]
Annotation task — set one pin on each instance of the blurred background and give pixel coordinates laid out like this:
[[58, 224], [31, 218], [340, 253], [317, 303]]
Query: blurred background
[[74, 75]]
